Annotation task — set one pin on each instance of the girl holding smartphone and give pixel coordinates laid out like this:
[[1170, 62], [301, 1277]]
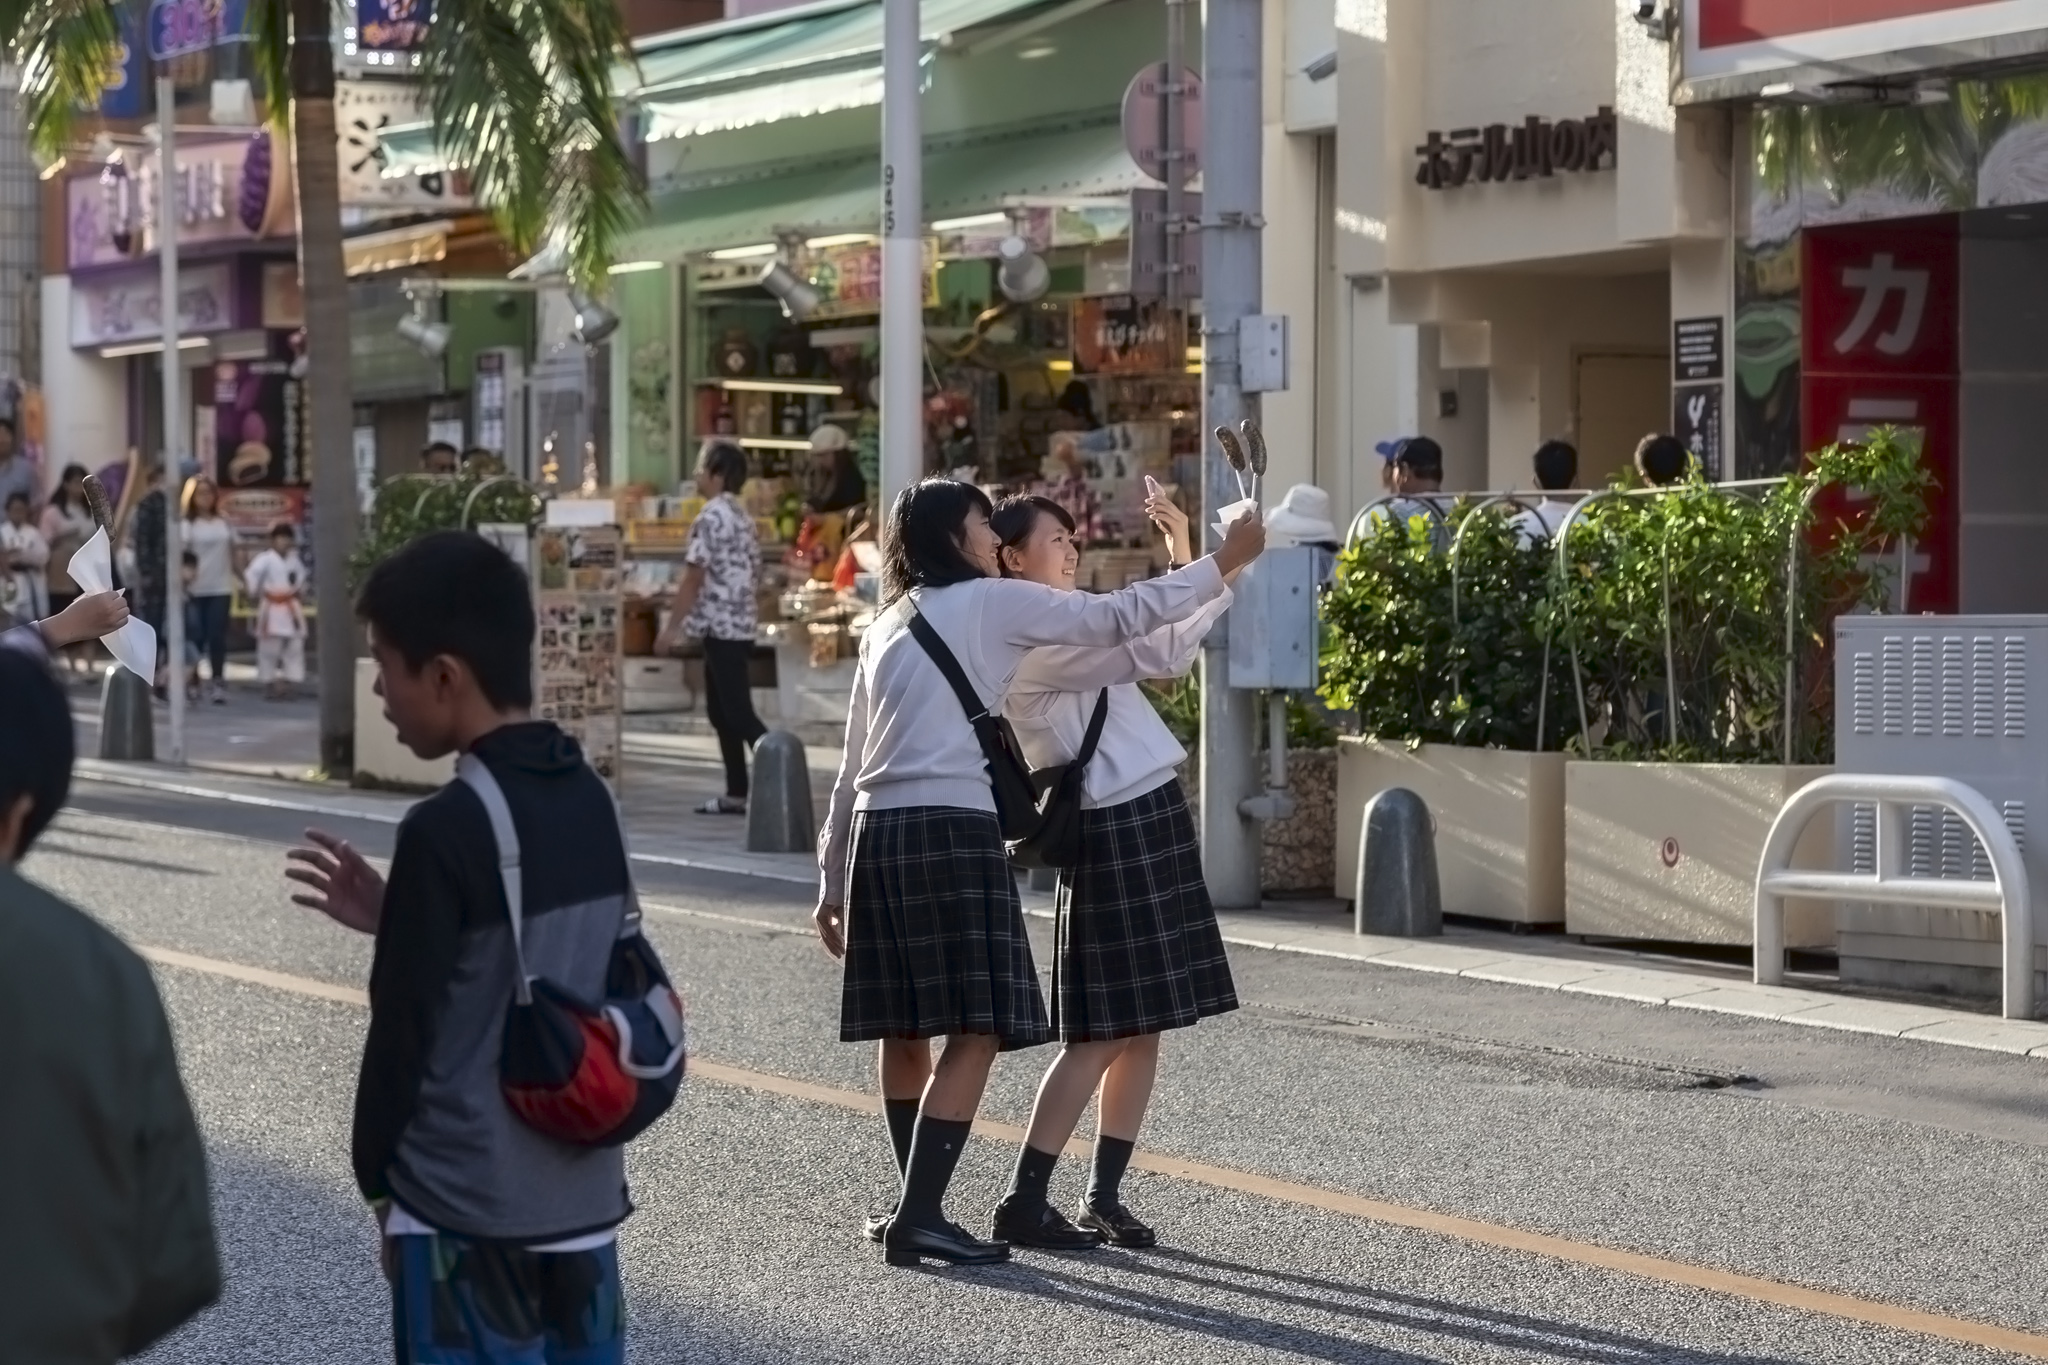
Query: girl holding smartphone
[[1137, 948]]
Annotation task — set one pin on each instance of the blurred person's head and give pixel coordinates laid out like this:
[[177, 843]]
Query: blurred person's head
[[17, 509], [201, 498], [938, 534], [440, 458], [1077, 405], [450, 623], [1417, 466], [6, 438], [721, 468], [1556, 465], [1662, 460], [283, 537], [35, 751], [1036, 536], [70, 487]]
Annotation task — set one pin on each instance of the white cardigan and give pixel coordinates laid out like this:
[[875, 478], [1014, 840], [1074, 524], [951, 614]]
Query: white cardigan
[[907, 743], [1053, 696]]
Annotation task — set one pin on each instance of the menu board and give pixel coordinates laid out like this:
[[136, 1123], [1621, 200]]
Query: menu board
[[577, 598]]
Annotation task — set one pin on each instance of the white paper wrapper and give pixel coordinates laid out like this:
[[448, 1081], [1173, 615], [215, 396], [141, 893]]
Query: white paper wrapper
[[1227, 515], [134, 644]]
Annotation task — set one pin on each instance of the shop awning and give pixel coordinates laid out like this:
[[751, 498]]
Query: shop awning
[[397, 249], [971, 177], [743, 72]]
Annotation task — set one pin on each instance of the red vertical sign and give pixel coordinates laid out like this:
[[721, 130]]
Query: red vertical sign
[[1880, 336]]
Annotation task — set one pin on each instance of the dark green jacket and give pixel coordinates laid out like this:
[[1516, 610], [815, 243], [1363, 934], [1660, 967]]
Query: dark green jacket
[[106, 1238]]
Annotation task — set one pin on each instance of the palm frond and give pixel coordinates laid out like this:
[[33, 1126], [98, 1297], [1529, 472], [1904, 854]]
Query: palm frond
[[521, 96], [270, 50], [68, 52]]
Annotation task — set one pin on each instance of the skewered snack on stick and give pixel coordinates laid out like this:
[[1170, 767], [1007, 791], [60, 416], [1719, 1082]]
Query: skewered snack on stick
[[1234, 453], [1255, 442]]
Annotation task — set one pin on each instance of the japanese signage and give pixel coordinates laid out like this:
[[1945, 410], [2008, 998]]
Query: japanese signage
[[178, 28], [1124, 334], [849, 279], [1725, 38], [111, 309], [252, 513], [384, 25], [1534, 149], [1880, 348], [362, 111], [233, 189], [1696, 345], [1696, 420], [576, 569]]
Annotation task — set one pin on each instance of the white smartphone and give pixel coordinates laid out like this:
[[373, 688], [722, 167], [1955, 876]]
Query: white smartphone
[[1152, 488]]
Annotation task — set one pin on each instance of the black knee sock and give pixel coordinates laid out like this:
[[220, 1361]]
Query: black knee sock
[[902, 1117], [1111, 1156], [1034, 1173], [934, 1152]]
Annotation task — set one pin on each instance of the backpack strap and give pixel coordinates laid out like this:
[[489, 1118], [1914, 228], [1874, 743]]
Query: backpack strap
[[927, 636], [471, 770], [1094, 730]]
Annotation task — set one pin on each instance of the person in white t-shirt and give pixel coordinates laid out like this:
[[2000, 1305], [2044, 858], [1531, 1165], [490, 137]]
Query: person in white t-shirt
[[1556, 466], [23, 554], [211, 543]]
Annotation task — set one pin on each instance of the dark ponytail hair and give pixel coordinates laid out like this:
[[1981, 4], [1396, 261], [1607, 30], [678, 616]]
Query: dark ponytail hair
[[1016, 518], [62, 497], [921, 545]]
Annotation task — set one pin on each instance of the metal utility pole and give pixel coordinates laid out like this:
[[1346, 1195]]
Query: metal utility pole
[[902, 462], [1231, 129], [167, 218]]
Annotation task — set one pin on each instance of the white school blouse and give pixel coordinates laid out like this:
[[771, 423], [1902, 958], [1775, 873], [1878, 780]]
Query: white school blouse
[[1053, 695], [906, 741]]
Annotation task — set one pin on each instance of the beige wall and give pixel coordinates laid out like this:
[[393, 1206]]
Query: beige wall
[[85, 398]]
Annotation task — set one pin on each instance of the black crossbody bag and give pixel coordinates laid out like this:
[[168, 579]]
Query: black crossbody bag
[[1039, 811]]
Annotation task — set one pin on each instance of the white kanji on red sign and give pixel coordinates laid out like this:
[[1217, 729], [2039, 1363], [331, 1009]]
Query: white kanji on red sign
[[1875, 283]]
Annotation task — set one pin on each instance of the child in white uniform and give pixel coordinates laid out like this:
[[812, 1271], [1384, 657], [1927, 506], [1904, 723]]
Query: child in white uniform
[[274, 580]]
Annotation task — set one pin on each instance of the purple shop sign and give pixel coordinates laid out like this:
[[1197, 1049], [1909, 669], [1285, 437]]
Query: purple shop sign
[[108, 310], [388, 25], [178, 27]]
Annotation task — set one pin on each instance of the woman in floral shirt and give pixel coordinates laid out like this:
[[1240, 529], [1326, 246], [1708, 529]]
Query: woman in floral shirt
[[715, 603]]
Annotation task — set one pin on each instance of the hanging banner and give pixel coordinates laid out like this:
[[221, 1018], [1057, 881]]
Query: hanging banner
[[392, 25]]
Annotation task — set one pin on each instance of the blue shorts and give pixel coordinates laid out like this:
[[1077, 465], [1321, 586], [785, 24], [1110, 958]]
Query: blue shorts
[[458, 1302]]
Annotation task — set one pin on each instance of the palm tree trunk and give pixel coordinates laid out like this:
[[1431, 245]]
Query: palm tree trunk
[[323, 276]]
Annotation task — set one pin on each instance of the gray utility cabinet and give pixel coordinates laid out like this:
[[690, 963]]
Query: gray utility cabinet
[[1942, 696]]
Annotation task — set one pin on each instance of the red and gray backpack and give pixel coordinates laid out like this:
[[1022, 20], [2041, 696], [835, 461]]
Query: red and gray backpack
[[595, 1073]]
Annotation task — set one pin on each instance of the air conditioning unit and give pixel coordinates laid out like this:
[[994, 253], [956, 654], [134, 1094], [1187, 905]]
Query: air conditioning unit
[[1942, 696]]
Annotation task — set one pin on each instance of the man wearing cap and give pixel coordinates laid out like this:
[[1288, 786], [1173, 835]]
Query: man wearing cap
[[1413, 476], [834, 482]]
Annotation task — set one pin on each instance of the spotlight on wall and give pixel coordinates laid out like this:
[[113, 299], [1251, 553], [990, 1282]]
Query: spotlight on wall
[[431, 337], [1023, 274], [594, 321], [1657, 19], [799, 300]]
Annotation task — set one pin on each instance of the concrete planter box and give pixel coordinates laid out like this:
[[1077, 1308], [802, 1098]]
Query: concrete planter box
[[1669, 851], [381, 761], [1499, 823]]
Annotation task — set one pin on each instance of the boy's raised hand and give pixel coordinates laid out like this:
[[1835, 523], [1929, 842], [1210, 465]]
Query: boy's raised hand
[[345, 888]]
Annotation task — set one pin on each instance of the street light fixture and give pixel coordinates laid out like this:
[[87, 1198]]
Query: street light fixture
[[431, 337], [594, 321], [799, 299]]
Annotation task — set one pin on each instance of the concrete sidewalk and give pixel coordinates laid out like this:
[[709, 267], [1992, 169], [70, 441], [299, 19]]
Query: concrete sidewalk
[[664, 831]]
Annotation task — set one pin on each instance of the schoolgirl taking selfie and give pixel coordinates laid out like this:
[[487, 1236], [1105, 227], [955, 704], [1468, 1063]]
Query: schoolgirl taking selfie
[[917, 893], [1136, 947]]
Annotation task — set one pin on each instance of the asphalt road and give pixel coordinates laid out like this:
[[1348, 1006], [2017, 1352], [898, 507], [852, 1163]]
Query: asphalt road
[[1906, 1175]]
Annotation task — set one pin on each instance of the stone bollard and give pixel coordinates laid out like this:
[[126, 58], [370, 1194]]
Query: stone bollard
[[127, 729], [1397, 891], [779, 818]]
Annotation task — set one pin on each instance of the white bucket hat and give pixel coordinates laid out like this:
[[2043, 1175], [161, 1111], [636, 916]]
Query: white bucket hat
[[1303, 516]]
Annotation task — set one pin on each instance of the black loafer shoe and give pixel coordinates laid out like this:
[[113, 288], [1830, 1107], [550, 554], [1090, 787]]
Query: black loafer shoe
[[903, 1244], [876, 1225], [1117, 1224], [1047, 1228]]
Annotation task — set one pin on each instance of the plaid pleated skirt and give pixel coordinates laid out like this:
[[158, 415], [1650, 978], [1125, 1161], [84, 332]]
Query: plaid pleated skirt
[[935, 940], [1137, 949]]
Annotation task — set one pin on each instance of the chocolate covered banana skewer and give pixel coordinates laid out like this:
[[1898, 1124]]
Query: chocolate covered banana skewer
[[1255, 442], [1234, 453]]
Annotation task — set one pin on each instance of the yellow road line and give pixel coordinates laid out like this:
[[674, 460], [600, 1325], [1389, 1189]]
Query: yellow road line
[[1892, 1316]]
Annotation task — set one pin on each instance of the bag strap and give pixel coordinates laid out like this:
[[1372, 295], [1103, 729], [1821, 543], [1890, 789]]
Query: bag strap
[[928, 636], [472, 770], [1094, 734]]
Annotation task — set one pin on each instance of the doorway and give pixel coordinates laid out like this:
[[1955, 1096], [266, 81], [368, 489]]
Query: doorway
[[1617, 399]]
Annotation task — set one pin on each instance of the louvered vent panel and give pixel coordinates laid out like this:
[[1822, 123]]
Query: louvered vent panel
[[1983, 686], [1954, 685], [2014, 687]]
